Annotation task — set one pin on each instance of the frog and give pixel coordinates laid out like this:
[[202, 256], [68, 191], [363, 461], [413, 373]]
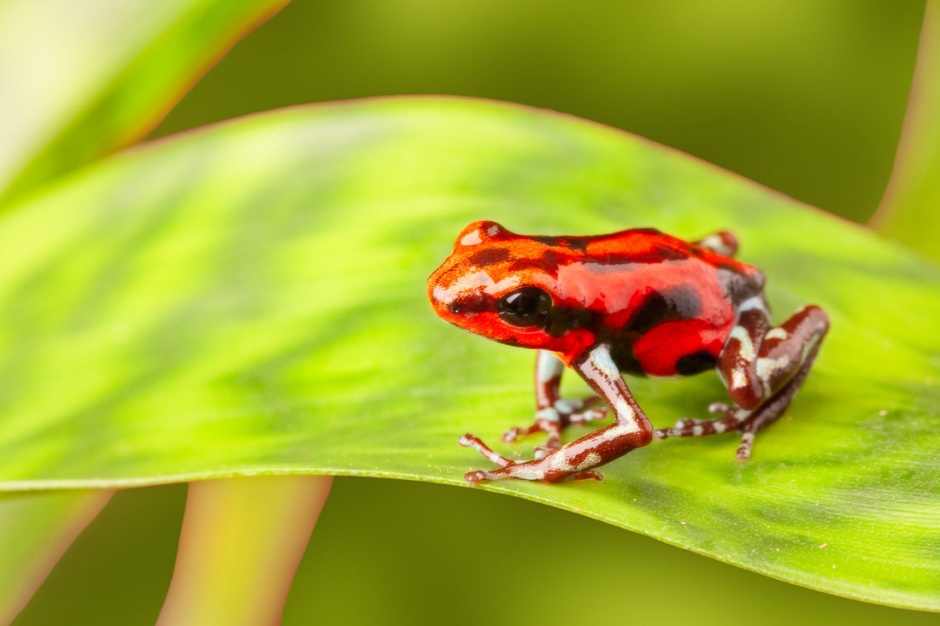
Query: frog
[[638, 302]]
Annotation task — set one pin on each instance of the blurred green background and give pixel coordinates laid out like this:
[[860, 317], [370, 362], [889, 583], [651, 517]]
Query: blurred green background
[[804, 96]]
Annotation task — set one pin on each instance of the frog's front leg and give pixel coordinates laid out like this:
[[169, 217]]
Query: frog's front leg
[[552, 412], [762, 368], [577, 459], [723, 242]]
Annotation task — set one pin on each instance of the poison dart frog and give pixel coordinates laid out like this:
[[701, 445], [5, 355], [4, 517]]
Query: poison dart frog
[[639, 302]]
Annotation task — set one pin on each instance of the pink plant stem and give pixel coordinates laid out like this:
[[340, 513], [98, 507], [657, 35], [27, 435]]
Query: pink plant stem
[[241, 542]]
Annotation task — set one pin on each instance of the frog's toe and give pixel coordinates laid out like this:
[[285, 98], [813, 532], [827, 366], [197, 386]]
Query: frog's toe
[[540, 452], [731, 418], [475, 477], [539, 425], [472, 441], [591, 415], [513, 433], [691, 427], [681, 425], [720, 408]]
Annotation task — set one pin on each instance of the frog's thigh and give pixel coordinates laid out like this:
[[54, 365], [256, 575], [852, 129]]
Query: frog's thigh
[[758, 361]]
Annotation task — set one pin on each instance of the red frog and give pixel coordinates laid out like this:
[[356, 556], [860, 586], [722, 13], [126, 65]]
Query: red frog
[[637, 301]]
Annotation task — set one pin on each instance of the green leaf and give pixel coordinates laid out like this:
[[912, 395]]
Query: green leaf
[[80, 80], [910, 210], [250, 299], [100, 74]]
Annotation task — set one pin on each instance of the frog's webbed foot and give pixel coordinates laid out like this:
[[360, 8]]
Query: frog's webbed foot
[[552, 420]]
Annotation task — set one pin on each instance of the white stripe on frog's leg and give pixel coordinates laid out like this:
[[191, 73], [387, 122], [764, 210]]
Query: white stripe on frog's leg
[[767, 367], [754, 303], [619, 430], [548, 367], [601, 359], [736, 362], [746, 354], [746, 348]]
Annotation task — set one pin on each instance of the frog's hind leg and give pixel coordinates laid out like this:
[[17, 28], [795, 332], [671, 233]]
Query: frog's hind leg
[[762, 368], [772, 409], [722, 242]]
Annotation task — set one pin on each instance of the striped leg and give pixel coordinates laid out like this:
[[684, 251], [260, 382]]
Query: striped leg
[[553, 412], [472, 441], [576, 460], [762, 368], [770, 411], [731, 419]]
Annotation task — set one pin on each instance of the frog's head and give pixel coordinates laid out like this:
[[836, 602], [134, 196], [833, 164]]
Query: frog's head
[[498, 284]]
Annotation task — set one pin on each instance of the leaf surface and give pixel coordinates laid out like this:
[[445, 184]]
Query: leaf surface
[[80, 79], [250, 299]]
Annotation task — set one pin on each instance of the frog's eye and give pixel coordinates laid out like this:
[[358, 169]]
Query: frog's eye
[[528, 306]]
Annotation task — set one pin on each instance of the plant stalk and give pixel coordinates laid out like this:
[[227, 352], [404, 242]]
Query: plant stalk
[[240, 546], [910, 209]]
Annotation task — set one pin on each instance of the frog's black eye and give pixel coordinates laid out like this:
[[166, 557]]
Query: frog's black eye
[[528, 306]]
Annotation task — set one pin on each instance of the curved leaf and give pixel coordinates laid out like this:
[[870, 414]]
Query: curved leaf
[[82, 79], [909, 210], [250, 299]]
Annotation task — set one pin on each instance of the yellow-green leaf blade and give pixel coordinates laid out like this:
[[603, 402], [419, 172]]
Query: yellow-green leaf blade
[[100, 74], [251, 299]]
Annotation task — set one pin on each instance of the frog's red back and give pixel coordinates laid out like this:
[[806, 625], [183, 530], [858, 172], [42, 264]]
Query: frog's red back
[[664, 305]]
